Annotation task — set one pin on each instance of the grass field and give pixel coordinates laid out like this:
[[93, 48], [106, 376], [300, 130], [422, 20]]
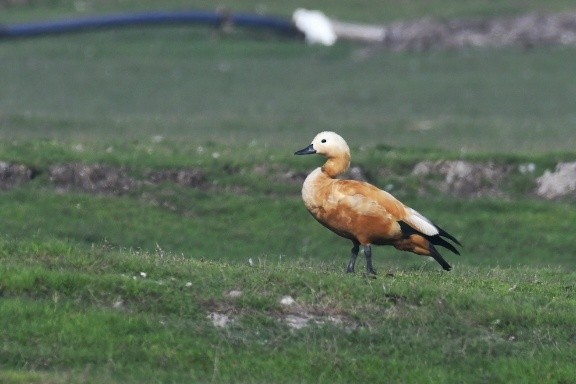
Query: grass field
[[182, 84], [192, 82], [164, 283]]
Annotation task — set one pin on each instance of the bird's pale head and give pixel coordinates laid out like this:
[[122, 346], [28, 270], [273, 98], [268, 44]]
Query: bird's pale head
[[327, 143], [333, 146]]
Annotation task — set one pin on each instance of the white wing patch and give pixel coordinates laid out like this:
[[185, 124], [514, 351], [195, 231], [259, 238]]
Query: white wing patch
[[417, 221]]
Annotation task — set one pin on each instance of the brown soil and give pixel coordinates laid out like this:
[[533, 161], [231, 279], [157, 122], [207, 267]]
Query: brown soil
[[91, 178], [528, 30], [13, 175], [463, 178]]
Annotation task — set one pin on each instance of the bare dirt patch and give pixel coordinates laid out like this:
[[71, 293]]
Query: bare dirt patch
[[297, 315], [92, 178], [558, 184], [462, 178], [111, 180], [528, 30], [278, 174], [193, 178], [14, 175]]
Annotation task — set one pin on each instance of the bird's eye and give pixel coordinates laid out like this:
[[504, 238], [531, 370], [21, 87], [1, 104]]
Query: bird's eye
[[323, 140]]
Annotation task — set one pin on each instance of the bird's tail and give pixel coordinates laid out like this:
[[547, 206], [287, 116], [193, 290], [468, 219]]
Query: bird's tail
[[421, 244], [438, 257], [438, 240], [443, 233]]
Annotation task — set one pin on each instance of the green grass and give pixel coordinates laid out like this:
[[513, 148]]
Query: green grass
[[91, 316], [191, 84], [235, 215], [120, 288], [77, 307], [108, 86]]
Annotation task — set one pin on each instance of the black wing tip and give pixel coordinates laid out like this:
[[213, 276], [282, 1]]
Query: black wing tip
[[437, 240], [445, 234]]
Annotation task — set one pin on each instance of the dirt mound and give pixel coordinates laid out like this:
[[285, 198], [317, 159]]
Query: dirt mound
[[462, 178], [279, 174], [92, 178], [465, 179], [193, 178], [526, 31], [13, 175], [111, 180], [558, 184]]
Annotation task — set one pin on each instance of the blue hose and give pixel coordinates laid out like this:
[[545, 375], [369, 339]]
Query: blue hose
[[215, 19]]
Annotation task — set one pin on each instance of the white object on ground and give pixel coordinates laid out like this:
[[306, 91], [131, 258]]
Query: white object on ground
[[315, 25]]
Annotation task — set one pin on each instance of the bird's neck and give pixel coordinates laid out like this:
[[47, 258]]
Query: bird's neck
[[335, 166]]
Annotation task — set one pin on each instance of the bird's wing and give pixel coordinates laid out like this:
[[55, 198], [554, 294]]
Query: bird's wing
[[366, 199]]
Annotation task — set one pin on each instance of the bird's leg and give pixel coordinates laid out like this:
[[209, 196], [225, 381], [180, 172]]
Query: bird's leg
[[368, 254], [352, 263]]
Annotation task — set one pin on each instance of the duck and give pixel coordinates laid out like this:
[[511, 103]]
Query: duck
[[364, 213]]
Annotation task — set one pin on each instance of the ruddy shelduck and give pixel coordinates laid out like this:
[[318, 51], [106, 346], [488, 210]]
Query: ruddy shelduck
[[364, 213]]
